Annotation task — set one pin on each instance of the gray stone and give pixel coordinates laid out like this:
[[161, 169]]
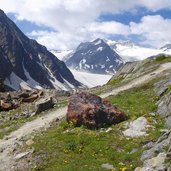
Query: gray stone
[[154, 164], [164, 105], [168, 122], [152, 114], [137, 128], [158, 147], [21, 155], [160, 88], [43, 105], [107, 166]]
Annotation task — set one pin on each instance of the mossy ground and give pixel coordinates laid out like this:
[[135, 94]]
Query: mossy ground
[[66, 148]]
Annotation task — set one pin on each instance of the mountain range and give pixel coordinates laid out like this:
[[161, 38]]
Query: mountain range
[[127, 50]]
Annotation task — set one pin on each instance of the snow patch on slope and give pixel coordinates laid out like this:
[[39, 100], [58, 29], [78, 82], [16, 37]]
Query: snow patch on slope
[[99, 48], [58, 85], [98, 42], [62, 55], [30, 81]]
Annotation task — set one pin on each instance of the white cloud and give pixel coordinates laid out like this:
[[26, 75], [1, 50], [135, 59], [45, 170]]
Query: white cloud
[[111, 27], [74, 21], [65, 40], [154, 30]]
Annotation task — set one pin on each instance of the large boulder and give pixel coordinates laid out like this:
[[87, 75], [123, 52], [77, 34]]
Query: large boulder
[[92, 111]]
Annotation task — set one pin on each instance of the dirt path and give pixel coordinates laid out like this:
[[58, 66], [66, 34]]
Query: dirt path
[[8, 144]]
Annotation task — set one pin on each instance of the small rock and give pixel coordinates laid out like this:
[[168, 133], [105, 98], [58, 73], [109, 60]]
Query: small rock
[[152, 114], [105, 130], [109, 130], [107, 166], [134, 150], [141, 169], [29, 142], [21, 155]]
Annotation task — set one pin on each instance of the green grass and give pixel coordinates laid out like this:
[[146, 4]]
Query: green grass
[[135, 102], [161, 59], [115, 81], [83, 149], [66, 148]]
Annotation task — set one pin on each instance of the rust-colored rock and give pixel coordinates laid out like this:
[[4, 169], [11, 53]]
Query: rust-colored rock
[[92, 111], [7, 105], [28, 98]]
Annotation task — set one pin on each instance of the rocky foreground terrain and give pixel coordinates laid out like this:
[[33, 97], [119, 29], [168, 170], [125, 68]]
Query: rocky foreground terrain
[[141, 92]]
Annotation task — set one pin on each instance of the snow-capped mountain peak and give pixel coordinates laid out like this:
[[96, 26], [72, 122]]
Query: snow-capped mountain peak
[[95, 57]]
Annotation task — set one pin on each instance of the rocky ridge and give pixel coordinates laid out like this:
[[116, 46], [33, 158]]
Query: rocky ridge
[[158, 154]]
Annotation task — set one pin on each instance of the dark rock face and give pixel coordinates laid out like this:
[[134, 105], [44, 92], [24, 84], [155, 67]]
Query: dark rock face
[[95, 57], [92, 111], [44, 104], [2, 87], [23, 56]]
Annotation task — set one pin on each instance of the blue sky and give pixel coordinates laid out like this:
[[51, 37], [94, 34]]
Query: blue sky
[[63, 24], [128, 16]]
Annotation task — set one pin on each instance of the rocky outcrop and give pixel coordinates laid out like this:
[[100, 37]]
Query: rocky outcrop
[[156, 156], [44, 104], [132, 70], [9, 102], [92, 111], [30, 97], [164, 105]]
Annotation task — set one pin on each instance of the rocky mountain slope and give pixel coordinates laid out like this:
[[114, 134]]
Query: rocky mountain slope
[[166, 48], [95, 57], [24, 63]]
